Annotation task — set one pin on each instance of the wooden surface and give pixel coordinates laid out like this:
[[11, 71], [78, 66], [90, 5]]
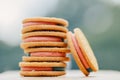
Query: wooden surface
[[71, 75]]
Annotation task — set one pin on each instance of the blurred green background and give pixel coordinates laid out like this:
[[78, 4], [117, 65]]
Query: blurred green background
[[98, 19]]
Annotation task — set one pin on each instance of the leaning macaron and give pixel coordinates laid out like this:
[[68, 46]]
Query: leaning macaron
[[82, 51]]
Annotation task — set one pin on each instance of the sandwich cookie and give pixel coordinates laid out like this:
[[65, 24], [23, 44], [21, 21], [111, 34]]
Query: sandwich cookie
[[42, 68], [82, 51]]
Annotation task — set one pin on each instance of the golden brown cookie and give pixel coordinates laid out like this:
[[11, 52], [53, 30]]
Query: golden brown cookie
[[44, 33], [82, 51], [42, 64], [49, 49], [74, 53], [33, 59], [42, 73], [58, 68], [58, 21], [44, 28], [86, 49], [42, 44]]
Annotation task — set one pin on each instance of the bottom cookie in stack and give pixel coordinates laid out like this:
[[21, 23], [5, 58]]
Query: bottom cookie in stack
[[42, 68]]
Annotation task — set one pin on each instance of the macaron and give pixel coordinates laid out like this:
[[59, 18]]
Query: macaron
[[82, 52], [33, 69]]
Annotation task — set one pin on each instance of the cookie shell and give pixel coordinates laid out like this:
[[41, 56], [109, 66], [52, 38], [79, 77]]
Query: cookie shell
[[42, 64], [33, 59], [44, 33], [42, 73], [75, 55], [43, 44], [44, 28], [52, 49], [47, 19], [86, 49]]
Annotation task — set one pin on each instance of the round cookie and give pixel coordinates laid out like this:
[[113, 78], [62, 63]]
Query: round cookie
[[42, 64], [44, 33], [86, 49], [50, 49], [42, 44], [82, 52], [33, 59], [43, 28], [57, 21], [42, 73], [74, 53], [37, 65]]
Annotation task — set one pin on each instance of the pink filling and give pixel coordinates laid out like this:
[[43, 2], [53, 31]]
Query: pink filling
[[81, 56], [43, 39], [38, 23], [47, 54], [36, 68]]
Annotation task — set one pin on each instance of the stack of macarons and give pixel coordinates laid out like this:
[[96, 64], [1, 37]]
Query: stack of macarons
[[43, 40]]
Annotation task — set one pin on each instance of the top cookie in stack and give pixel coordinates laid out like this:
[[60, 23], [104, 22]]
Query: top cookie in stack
[[43, 39]]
